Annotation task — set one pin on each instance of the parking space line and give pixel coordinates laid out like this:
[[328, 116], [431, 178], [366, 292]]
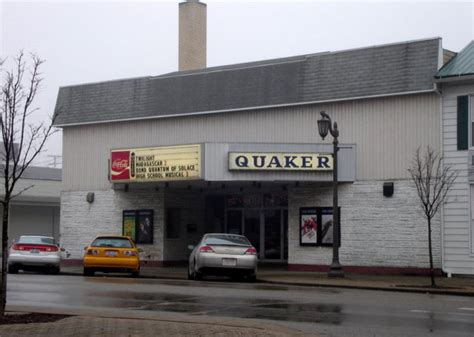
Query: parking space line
[[470, 309]]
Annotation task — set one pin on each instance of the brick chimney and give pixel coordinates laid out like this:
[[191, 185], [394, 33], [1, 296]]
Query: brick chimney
[[192, 35]]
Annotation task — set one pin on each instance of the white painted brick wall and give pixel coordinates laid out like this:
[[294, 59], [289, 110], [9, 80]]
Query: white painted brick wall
[[81, 221], [376, 230], [192, 205]]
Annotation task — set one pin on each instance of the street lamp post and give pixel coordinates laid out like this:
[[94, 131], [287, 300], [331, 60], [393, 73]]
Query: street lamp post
[[325, 126]]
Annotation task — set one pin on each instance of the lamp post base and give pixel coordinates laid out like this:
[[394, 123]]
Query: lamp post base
[[335, 270]]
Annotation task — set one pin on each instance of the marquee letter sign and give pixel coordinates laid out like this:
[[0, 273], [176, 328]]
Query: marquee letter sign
[[280, 161], [156, 164]]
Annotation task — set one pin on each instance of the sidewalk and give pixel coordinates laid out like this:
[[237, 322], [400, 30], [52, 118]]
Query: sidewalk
[[104, 323], [279, 275]]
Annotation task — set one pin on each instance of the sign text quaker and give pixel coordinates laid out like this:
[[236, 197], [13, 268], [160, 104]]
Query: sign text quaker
[[280, 161]]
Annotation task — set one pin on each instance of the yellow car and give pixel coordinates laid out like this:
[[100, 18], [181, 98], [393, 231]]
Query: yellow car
[[112, 254]]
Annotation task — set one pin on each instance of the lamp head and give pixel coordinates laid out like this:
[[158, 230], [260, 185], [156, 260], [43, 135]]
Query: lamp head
[[324, 125]]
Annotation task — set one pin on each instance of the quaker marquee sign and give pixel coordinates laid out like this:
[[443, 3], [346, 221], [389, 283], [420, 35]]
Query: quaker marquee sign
[[280, 161], [156, 164]]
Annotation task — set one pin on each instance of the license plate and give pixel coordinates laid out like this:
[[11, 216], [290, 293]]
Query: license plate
[[229, 262], [111, 253], [34, 251]]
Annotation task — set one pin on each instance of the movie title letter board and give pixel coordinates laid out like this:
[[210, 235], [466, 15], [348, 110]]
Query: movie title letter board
[[172, 163], [138, 225]]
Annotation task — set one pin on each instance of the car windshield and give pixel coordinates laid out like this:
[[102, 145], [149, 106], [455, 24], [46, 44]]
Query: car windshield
[[112, 242], [226, 239], [36, 240]]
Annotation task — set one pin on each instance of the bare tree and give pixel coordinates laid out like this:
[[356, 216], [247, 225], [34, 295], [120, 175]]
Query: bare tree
[[23, 140], [433, 180]]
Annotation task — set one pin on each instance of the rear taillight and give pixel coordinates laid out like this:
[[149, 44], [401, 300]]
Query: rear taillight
[[92, 252], [129, 253], [206, 249], [251, 251], [52, 249], [29, 246]]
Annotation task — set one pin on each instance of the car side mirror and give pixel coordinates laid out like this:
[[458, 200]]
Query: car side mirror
[[85, 248], [191, 247], [140, 250], [62, 249]]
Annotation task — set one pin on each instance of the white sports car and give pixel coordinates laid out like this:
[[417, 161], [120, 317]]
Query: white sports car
[[223, 254]]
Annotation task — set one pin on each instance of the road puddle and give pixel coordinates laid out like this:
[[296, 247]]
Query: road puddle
[[280, 310]]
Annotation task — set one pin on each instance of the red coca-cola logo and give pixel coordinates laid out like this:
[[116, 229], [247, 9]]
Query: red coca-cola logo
[[119, 164], [120, 167]]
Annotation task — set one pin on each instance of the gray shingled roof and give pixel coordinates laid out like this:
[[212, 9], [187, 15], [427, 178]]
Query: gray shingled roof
[[373, 71]]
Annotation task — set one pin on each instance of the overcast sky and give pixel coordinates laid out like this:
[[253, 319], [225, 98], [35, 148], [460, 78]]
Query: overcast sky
[[104, 40]]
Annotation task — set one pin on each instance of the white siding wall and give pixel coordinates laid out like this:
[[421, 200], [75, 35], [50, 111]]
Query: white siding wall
[[387, 132], [33, 220], [458, 231]]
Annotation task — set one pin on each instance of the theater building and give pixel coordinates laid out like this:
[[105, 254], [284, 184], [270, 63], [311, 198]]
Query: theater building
[[236, 149]]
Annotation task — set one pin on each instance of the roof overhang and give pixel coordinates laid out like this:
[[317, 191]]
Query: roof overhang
[[457, 79]]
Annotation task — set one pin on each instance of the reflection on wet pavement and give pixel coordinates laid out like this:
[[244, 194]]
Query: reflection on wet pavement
[[213, 283], [223, 306]]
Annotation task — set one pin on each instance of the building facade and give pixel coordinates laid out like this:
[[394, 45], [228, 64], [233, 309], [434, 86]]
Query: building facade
[[456, 82], [223, 150], [36, 210]]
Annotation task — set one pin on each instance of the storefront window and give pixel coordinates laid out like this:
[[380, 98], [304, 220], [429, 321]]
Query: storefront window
[[275, 199]]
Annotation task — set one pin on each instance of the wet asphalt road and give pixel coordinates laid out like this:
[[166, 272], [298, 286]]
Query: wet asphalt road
[[327, 311]]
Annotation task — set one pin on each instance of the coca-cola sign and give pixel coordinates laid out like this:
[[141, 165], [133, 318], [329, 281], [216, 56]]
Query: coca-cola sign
[[120, 165], [156, 164]]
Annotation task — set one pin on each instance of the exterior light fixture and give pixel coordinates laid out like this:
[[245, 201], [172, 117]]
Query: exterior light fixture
[[324, 126]]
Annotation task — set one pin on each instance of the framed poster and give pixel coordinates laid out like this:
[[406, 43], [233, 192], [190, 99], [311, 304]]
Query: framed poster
[[144, 230], [138, 224], [326, 226], [129, 224], [316, 226], [308, 227]]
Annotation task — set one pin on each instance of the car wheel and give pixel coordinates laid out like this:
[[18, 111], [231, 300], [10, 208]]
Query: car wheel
[[88, 272], [55, 270], [252, 278], [190, 274], [197, 275], [136, 273], [13, 270]]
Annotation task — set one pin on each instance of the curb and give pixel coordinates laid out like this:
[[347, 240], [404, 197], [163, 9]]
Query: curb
[[377, 288], [404, 289]]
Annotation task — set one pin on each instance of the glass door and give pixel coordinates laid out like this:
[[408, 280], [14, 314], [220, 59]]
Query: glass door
[[266, 229], [252, 228], [273, 235], [234, 222]]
